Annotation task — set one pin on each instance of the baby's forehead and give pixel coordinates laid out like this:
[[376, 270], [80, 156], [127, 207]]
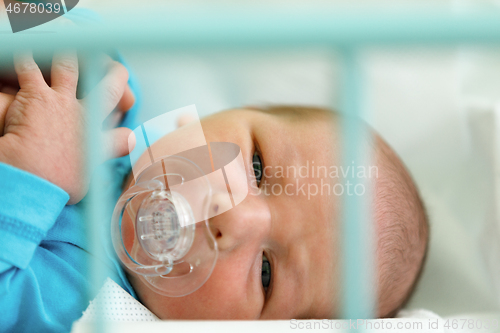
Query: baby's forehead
[[315, 127]]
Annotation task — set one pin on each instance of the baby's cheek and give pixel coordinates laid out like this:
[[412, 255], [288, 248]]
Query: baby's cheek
[[225, 295]]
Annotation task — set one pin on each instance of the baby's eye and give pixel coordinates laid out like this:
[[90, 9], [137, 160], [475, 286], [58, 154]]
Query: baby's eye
[[257, 167], [266, 272]]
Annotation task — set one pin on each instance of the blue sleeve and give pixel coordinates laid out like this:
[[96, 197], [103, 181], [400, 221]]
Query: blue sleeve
[[39, 280], [29, 207]]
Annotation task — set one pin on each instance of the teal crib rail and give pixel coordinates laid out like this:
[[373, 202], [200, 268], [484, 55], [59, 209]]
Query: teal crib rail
[[256, 27], [271, 27]]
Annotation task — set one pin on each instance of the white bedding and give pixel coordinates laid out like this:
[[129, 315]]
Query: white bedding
[[116, 311]]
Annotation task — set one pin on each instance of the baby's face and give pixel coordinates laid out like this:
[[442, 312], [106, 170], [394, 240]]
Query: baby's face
[[279, 219]]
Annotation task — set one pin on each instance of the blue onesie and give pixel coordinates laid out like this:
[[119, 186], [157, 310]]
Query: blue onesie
[[44, 257]]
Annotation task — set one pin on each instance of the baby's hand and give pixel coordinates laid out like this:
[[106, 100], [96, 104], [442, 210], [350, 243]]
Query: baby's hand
[[44, 126]]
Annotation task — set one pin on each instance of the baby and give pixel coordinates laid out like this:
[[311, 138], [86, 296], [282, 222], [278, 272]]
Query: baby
[[279, 247], [278, 253]]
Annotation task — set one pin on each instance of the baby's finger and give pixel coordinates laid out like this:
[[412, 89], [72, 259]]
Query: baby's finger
[[111, 89], [5, 101], [8, 90], [116, 142], [64, 73], [127, 101], [28, 72]]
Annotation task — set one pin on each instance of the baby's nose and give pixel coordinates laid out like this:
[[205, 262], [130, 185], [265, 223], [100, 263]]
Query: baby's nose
[[247, 222], [219, 204]]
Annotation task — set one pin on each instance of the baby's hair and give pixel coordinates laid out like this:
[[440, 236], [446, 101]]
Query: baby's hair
[[403, 230]]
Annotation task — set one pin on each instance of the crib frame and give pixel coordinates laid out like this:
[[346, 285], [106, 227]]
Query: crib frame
[[347, 30]]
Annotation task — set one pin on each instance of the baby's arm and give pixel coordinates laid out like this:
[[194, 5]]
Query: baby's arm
[[43, 275]]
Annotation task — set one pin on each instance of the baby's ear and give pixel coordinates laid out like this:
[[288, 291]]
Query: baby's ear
[[184, 120]]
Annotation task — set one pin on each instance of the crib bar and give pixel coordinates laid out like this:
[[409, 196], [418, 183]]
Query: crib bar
[[358, 300], [98, 200], [251, 26]]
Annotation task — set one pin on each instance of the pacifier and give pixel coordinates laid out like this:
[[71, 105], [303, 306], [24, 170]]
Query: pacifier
[[160, 224]]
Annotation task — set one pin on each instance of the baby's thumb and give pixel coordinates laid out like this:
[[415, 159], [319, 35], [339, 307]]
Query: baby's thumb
[[117, 142]]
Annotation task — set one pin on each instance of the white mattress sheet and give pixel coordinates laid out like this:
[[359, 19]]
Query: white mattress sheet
[[114, 310]]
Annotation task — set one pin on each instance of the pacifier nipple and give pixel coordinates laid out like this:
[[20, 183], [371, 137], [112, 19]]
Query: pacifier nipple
[[163, 228], [158, 225]]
